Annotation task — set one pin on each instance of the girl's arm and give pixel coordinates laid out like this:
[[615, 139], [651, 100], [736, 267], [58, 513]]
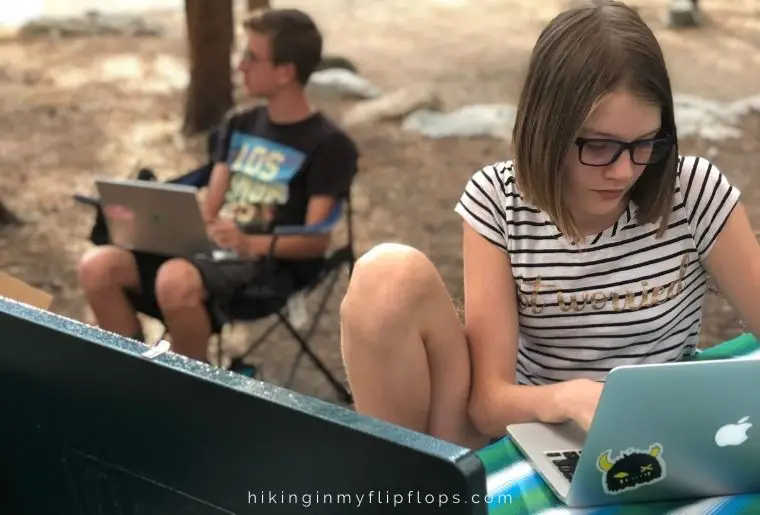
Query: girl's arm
[[492, 331], [734, 263]]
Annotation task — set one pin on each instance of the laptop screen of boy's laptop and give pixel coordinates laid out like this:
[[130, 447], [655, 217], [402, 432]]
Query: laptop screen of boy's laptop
[[89, 426]]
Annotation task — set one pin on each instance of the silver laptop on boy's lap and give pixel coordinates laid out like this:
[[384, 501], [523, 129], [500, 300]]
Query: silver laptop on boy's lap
[[661, 432], [156, 217]]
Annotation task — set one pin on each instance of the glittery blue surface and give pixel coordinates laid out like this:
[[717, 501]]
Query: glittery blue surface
[[286, 398]]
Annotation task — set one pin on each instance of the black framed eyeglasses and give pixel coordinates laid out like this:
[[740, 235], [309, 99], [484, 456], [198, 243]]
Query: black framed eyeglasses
[[603, 152]]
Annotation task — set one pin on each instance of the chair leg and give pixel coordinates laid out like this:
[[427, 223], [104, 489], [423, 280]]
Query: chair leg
[[293, 370], [333, 279], [261, 339], [303, 341], [315, 319], [322, 304], [305, 349]]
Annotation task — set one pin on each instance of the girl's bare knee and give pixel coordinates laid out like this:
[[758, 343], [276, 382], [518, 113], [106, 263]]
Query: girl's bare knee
[[389, 278]]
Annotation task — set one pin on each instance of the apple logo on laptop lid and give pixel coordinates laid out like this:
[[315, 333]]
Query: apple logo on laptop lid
[[732, 435]]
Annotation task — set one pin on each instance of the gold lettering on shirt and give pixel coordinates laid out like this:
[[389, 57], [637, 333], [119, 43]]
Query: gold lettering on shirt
[[530, 297], [533, 299]]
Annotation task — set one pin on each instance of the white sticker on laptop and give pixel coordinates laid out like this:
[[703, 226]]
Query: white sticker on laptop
[[631, 469]]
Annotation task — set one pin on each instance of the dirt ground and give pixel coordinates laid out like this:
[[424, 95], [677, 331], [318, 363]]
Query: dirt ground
[[71, 110]]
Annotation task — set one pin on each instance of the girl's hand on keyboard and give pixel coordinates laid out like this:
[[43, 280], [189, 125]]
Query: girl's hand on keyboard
[[580, 398]]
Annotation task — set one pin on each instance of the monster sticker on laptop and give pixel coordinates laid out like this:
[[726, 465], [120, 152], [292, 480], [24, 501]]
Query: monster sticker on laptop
[[631, 469]]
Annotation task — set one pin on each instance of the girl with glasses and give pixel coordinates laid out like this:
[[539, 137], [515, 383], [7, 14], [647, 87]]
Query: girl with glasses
[[586, 251]]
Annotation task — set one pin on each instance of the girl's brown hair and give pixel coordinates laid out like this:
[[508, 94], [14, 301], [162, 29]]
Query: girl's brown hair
[[583, 54]]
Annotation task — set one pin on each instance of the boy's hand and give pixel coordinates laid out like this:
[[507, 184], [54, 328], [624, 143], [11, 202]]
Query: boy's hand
[[226, 234]]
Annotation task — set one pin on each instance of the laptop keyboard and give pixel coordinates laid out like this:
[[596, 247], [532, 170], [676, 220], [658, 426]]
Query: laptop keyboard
[[565, 462]]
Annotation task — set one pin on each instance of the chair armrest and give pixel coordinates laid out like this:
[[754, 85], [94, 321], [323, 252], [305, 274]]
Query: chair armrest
[[84, 199], [198, 178], [323, 227], [99, 232]]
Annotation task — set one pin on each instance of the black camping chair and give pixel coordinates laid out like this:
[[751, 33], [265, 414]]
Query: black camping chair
[[274, 296]]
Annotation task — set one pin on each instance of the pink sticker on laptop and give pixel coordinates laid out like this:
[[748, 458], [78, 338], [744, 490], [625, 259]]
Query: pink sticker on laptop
[[118, 212]]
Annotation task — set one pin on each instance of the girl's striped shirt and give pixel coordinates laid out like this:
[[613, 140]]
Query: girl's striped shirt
[[623, 298]]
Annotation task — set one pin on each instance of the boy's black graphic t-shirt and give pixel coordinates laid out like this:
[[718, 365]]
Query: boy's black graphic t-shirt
[[275, 168]]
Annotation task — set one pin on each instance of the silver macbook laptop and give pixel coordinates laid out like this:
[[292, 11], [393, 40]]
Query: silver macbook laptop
[[661, 432], [156, 217]]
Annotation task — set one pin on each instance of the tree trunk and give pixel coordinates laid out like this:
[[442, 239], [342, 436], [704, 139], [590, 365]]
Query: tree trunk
[[211, 36], [257, 4]]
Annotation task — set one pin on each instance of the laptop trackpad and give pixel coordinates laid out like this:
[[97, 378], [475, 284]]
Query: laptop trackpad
[[549, 437]]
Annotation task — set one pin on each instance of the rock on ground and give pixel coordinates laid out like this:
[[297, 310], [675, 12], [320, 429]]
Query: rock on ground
[[92, 23], [393, 105]]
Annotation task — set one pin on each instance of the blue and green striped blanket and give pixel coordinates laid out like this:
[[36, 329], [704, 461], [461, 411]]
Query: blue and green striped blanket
[[514, 488]]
